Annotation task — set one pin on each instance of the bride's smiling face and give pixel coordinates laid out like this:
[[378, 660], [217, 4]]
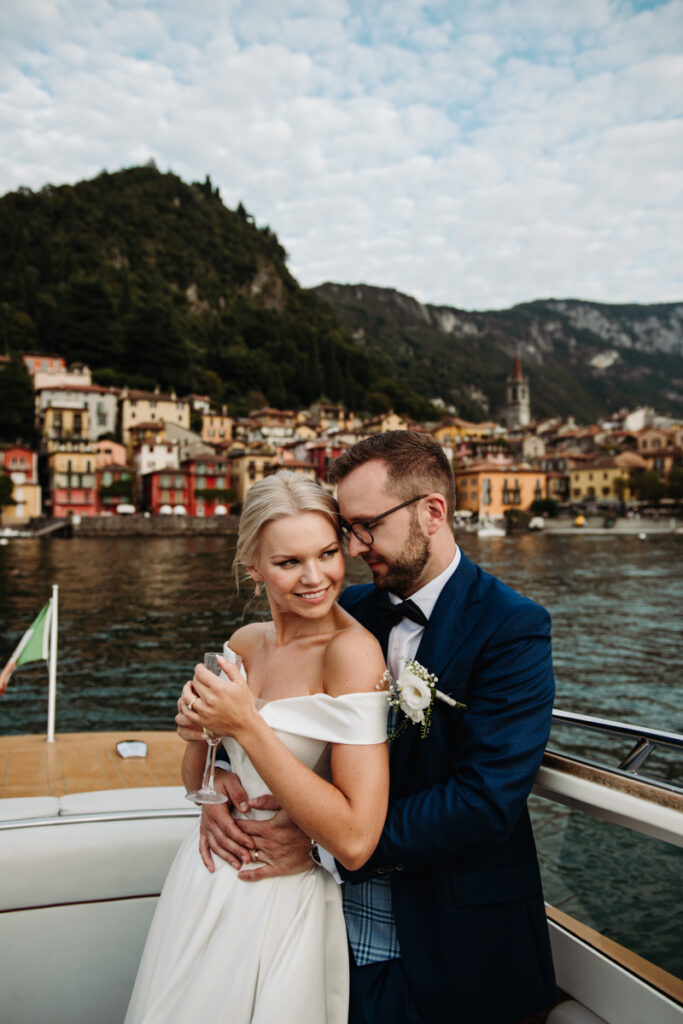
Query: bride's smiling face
[[301, 563]]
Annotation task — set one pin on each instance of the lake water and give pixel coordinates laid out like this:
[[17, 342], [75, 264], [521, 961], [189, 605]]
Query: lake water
[[137, 613]]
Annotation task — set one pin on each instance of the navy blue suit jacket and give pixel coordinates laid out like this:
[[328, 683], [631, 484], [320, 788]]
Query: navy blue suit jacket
[[457, 842]]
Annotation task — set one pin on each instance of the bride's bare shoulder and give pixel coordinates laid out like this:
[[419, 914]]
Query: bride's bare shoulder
[[245, 639], [353, 661]]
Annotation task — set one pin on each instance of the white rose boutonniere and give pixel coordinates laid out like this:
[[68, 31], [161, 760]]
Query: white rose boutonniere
[[414, 693]]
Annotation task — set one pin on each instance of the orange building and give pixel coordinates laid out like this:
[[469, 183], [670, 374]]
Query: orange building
[[488, 490], [216, 427]]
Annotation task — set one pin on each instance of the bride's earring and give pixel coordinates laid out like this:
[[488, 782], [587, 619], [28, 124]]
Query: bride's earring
[[258, 588]]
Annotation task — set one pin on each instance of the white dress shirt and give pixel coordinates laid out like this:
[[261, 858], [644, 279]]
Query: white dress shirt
[[405, 636]]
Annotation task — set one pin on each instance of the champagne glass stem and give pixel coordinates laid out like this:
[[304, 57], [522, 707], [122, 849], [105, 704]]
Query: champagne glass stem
[[210, 768], [207, 766]]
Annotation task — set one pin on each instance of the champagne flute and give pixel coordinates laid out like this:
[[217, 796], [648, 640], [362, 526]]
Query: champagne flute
[[207, 794]]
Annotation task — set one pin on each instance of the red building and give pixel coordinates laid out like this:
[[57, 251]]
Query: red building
[[115, 486], [321, 454], [21, 465], [17, 458], [209, 484], [165, 488], [200, 486]]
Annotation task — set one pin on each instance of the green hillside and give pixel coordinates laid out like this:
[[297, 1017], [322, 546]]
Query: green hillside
[[150, 281]]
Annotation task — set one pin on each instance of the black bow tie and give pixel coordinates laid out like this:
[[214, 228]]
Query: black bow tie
[[395, 613]]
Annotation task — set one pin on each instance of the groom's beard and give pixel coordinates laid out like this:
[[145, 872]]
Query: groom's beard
[[402, 575]]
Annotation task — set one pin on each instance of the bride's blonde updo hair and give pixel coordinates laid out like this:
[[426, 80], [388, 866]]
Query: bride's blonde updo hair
[[276, 497]]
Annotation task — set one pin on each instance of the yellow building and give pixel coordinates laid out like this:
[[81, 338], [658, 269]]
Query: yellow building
[[596, 480], [246, 467], [453, 430], [72, 486], [386, 421], [151, 406], [65, 422], [488, 490]]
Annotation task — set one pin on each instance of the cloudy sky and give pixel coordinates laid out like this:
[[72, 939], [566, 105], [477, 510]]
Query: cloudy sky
[[473, 153]]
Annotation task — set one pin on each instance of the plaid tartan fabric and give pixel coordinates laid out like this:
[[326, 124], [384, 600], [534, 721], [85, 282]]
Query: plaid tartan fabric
[[370, 921]]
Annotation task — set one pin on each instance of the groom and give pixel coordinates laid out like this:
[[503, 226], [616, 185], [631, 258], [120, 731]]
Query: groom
[[446, 920]]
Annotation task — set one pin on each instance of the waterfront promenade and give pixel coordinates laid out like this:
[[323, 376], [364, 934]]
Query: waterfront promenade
[[179, 526], [564, 525]]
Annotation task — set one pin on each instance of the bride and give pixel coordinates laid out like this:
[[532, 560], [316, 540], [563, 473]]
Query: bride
[[308, 725]]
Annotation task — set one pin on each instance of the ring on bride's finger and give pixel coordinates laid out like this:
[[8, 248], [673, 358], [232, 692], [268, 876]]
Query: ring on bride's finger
[[192, 703], [255, 855]]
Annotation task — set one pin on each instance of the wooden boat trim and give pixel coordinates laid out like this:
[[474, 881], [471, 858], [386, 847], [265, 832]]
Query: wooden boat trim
[[655, 977]]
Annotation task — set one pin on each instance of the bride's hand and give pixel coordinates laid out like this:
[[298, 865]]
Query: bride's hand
[[225, 706], [186, 729]]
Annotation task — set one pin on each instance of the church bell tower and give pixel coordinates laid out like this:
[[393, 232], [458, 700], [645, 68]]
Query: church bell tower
[[518, 405]]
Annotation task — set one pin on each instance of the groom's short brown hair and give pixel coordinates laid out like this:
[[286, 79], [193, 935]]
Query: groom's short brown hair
[[415, 462]]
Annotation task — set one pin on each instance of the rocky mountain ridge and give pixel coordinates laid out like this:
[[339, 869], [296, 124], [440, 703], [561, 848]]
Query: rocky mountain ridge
[[582, 357]]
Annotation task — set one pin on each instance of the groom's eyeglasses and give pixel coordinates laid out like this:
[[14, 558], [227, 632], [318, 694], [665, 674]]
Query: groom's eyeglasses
[[363, 531]]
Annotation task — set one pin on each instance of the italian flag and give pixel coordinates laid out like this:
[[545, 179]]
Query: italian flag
[[33, 646]]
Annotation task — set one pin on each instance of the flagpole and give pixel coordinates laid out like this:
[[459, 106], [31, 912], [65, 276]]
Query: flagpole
[[52, 667]]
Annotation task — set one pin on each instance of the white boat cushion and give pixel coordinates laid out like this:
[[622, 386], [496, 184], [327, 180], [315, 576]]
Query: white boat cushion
[[21, 808]]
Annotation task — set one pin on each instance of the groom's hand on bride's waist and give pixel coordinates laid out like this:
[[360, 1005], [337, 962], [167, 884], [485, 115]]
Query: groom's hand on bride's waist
[[220, 834], [280, 847]]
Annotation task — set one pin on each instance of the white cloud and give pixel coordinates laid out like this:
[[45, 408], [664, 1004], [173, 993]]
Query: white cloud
[[476, 154]]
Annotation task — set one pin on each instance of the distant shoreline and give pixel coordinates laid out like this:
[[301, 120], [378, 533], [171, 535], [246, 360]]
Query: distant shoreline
[[156, 526], [140, 525], [594, 526]]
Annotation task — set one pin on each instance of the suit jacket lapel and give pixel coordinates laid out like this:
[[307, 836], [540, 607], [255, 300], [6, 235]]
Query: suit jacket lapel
[[378, 624], [449, 623]]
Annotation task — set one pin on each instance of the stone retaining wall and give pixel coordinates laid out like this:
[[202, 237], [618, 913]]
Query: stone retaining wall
[[155, 526]]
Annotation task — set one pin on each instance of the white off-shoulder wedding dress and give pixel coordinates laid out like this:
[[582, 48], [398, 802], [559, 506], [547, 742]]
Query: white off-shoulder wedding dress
[[223, 950]]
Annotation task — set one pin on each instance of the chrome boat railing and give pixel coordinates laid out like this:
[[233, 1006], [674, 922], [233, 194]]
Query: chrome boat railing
[[646, 742]]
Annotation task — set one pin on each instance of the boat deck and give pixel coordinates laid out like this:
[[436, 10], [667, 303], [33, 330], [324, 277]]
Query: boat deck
[[83, 762]]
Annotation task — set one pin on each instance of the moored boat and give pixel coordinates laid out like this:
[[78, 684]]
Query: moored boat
[[80, 873]]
